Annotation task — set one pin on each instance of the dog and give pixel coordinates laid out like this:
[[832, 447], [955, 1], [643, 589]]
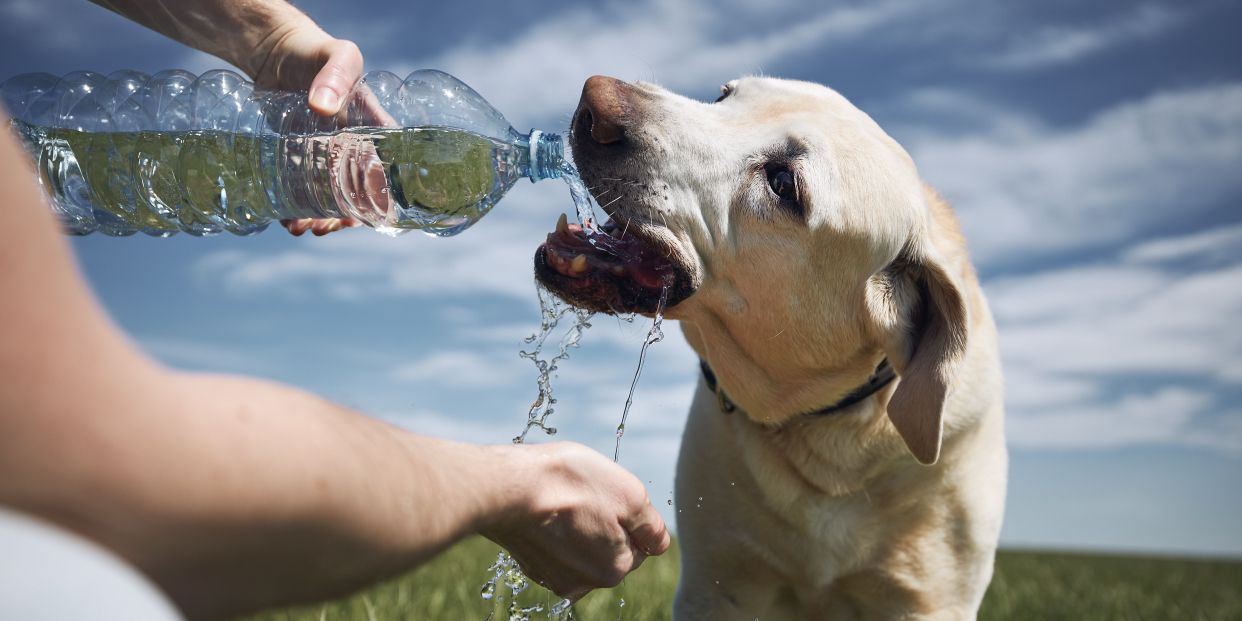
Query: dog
[[844, 455]]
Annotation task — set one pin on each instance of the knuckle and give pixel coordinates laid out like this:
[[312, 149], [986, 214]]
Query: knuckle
[[346, 46]]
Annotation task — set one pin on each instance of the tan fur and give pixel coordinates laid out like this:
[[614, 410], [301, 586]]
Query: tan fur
[[781, 515]]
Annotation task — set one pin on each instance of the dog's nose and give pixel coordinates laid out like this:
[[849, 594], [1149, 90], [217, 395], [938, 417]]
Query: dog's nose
[[604, 109]]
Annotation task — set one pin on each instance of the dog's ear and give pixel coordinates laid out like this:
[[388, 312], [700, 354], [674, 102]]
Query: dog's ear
[[933, 342]]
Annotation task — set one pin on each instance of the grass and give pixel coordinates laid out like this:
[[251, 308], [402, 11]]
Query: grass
[[1027, 585]]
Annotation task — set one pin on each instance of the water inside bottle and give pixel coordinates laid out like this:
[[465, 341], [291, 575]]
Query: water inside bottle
[[203, 182]]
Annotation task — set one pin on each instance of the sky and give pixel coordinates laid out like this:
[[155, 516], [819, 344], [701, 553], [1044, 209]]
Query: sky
[[1093, 152]]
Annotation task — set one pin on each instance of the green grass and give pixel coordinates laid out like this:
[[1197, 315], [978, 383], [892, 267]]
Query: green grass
[[1027, 585], [1040, 585]]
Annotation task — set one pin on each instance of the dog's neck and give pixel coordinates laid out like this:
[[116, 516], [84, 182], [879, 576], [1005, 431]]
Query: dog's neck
[[773, 392], [883, 376]]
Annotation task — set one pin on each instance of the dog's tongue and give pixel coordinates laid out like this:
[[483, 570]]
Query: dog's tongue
[[605, 251]]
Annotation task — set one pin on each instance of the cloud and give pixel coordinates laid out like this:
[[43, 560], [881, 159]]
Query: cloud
[[461, 368], [1214, 245], [440, 425], [1135, 351], [538, 74], [1149, 418], [1026, 190], [1060, 45]]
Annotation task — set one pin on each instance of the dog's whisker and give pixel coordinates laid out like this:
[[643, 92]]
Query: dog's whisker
[[609, 204]]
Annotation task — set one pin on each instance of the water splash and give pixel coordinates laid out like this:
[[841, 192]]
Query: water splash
[[505, 572], [551, 310], [654, 335], [562, 611]]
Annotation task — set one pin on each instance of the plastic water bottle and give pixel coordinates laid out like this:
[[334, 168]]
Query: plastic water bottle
[[172, 152]]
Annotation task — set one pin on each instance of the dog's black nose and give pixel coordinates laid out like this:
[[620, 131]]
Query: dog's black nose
[[604, 109]]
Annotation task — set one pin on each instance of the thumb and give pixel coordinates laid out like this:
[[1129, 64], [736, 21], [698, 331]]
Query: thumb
[[647, 531], [336, 78]]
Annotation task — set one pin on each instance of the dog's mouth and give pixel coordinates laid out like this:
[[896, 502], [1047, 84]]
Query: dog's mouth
[[615, 268]]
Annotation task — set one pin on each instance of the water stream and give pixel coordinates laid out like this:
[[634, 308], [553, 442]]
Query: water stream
[[505, 573], [654, 335]]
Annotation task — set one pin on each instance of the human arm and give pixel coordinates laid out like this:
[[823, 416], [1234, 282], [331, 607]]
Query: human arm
[[277, 45], [232, 493]]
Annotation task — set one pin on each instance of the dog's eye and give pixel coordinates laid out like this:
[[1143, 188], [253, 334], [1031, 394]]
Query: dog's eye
[[725, 91], [783, 183]]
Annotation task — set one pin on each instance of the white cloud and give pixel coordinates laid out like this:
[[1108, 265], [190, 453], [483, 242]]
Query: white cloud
[[1224, 243], [1025, 190], [1111, 354], [1059, 45], [1132, 321], [538, 74], [1135, 419], [461, 368], [440, 425]]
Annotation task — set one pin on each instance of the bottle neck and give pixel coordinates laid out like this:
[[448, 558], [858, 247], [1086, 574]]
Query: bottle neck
[[546, 159]]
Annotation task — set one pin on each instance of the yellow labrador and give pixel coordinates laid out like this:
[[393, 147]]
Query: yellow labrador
[[844, 456]]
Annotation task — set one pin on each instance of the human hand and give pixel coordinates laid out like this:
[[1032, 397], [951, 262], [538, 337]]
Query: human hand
[[303, 56], [583, 522]]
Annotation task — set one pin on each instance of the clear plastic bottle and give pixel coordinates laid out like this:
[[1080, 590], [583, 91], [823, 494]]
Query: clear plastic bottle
[[128, 152]]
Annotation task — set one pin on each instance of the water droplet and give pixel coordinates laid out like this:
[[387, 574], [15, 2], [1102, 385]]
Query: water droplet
[[670, 502]]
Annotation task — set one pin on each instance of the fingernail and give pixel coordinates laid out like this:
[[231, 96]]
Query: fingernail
[[324, 98]]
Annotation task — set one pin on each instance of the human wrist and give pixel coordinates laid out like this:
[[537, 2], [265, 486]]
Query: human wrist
[[478, 487], [517, 474]]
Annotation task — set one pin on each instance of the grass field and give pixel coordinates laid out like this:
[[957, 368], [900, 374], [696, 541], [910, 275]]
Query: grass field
[[1027, 585]]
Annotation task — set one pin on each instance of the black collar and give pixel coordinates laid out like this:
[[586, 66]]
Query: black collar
[[884, 374]]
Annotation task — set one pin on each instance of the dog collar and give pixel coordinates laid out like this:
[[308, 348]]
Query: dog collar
[[883, 374]]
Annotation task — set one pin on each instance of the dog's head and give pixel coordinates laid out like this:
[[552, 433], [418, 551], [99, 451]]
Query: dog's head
[[797, 241]]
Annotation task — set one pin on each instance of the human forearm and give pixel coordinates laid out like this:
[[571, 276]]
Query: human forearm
[[234, 494], [242, 32]]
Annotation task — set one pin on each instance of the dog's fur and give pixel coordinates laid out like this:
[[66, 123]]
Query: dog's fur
[[783, 515]]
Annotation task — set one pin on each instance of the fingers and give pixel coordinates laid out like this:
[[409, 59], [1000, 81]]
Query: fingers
[[297, 227], [318, 226], [373, 112], [647, 531], [337, 77]]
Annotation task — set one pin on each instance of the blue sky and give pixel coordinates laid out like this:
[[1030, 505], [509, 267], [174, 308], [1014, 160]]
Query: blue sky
[[1092, 151]]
